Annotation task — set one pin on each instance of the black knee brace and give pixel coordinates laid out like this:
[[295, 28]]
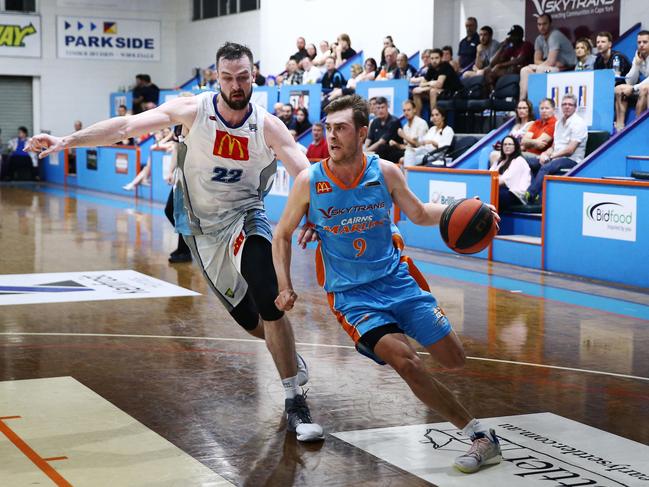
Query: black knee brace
[[258, 271]]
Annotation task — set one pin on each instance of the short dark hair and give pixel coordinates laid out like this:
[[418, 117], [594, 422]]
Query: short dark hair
[[445, 48], [22, 128], [123, 106], [547, 16], [550, 101], [643, 33], [146, 78], [472, 19], [436, 51], [408, 100], [231, 51], [381, 100], [360, 108], [608, 35], [318, 124], [488, 29]]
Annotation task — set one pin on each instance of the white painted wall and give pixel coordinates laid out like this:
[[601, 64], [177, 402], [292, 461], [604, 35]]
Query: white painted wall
[[366, 22], [197, 42], [73, 89]]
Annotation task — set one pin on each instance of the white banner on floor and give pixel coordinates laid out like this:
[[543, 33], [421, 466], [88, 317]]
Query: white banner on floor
[[538, 450], [61, 287]]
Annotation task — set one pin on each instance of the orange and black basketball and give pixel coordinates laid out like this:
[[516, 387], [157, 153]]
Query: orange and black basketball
[[467, 226]]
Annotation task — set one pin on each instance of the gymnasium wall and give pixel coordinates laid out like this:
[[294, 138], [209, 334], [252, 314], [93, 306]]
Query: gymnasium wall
[[71, 89]]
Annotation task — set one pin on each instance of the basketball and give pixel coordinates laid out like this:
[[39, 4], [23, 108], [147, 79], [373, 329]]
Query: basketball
[[467, 226]]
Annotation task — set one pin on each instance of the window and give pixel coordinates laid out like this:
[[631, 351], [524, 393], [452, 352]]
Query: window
[[18, 5], [206, 9]]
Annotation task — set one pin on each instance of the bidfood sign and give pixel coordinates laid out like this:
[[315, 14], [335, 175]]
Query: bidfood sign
[[108, 39], [609, 216]]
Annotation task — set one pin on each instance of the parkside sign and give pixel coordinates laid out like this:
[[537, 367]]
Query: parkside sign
[[108, 39], [20, 35], [609, 216]]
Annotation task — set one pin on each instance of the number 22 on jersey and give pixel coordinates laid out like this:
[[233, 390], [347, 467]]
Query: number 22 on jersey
[[224, 175]]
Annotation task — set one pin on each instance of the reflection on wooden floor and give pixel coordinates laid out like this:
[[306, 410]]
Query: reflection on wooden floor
[[202, 383]]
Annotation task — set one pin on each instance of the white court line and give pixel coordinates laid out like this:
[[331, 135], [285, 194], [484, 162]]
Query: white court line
[[323, 345]]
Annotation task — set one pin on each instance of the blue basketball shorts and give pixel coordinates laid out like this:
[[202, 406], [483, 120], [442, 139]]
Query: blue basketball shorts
[[396, 298]]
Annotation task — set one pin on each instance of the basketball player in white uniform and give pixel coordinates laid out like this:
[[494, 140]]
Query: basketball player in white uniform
[[227, 161]]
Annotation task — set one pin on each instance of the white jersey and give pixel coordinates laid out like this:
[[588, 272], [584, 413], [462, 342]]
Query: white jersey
[[226, 170]]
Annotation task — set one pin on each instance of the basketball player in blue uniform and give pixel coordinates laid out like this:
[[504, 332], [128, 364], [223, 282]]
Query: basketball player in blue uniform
[[375, 292], [227, 162]]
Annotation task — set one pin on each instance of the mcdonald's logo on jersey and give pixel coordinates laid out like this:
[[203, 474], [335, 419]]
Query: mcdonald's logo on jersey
[[231, 146], [322, 187]]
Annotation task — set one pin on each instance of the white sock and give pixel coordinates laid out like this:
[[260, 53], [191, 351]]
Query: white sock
[[474, 426], [291, 387]]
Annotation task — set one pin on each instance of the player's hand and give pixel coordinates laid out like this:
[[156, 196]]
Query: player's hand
[[286, 300], [307, 234], [494, 212], [44, 145]]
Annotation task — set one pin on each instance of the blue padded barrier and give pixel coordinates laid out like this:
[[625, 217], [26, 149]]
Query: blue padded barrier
[[54, 168], [477, 157], [107, 169], [597, 228], [159, 189]]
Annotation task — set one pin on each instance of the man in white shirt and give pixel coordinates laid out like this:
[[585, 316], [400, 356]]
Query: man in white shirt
[[633, 87], [568, 149], [311, 73], [415, 128]]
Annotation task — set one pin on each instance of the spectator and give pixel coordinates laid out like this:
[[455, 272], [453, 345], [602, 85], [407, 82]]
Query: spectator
[[447, 57], [344, 49], [387, 42], [522, 125], [258, 79], [437, 140], [568, 149], [207, 77], [318, 148], [302, 123], [404, 70], [300, 43], [332, 78], [278, 110], [424, 65], [441, 82], [514, 53], [148, 94], [514, 176], [293, 73], [606, 56], [633, 90], [325, 52], [485, 52], [311, 74], [19, 159], [286, 116], [78, 125], [411, 133], [311, 51], [138, 98], [372, 102], [584, 55], [469, 45], [382, 130], [552, 52], [390, 66], [122, 111], [540, 134]]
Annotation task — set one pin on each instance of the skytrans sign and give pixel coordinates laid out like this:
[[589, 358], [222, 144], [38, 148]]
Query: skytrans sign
[[20, 35], [108, 39]]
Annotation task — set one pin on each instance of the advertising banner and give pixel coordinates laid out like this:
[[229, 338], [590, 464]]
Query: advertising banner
[[108, 39], [609, 216], [575, 18], [20, 35]]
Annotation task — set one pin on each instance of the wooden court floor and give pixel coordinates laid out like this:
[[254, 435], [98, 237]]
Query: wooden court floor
[[537, 342]]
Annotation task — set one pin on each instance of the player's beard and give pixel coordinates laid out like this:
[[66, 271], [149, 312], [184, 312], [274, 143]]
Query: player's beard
[[238, 104]]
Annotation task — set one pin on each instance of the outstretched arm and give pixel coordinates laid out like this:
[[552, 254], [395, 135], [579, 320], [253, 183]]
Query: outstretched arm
[[181, 110], [296, 207]]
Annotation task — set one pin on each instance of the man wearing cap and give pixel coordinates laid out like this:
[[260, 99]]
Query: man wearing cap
[[514, 53]]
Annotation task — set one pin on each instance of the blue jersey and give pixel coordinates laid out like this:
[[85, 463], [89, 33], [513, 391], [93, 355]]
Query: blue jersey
[[354, 227]]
